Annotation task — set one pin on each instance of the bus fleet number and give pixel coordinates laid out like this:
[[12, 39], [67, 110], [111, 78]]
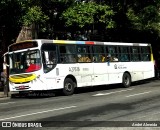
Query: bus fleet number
[[74, 69]]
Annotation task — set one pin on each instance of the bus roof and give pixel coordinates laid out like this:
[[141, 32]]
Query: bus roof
[[84, 42], [95, 43]]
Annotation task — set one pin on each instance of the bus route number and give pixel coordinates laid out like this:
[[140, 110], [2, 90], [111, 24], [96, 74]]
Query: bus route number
[[74, 69]]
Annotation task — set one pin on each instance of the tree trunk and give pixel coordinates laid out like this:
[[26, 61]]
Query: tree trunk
[[27, 33]]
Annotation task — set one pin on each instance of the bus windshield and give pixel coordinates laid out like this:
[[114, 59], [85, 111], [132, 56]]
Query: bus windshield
[[24, 62]]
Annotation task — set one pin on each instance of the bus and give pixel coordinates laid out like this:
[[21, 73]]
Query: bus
[[39, 65]]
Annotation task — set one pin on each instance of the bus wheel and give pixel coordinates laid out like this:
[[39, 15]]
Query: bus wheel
[[126, 80], [69, 87]]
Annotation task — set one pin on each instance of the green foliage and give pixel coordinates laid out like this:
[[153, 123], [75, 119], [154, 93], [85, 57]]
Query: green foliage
[[135, 19], [34, 15], [104, 15], [147, 18], [118, 15], [84, 14]]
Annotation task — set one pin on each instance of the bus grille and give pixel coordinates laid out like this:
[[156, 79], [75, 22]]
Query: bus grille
[[22, 87]]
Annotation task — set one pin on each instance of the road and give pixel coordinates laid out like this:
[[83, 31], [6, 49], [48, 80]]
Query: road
[[100, 107]]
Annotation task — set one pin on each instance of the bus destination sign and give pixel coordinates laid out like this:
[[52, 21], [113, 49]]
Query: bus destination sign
[[23, 45]]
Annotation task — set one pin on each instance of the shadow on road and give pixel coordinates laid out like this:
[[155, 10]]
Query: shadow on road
[[47, 94], [112, 86], [33, 95]]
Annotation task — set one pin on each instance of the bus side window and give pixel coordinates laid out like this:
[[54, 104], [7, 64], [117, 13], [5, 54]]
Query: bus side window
[[124, 57], [124, 54], [83, 53], [98, 54], [102, 58], [112, 53], [67, 53], [135, 54], [145, 53]]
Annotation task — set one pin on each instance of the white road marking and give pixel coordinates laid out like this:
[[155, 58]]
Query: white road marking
[[30, 114], [138, 94], [7, 103], [103, 94]]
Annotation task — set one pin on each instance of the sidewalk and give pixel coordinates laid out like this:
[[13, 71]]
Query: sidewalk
[[2, 95]]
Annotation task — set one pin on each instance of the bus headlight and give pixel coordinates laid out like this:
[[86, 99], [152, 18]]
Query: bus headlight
[[10, 82], [34, 80]]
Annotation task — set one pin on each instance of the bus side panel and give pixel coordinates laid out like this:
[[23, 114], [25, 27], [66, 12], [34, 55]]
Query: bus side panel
[[86, 73], [82, 72], [55, 78], [148, 70], [115, 72], [100, 75], [137, 71], [50, 79], [142, 70]]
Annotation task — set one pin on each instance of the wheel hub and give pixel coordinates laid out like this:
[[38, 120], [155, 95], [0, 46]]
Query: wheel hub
[[68, 86]]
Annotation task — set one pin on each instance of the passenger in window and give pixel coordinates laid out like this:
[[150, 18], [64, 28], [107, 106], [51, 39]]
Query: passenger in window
[[87, 59], [109, 57], [102, 58], [95, 58], [115, 59], [79, 57], [32, 66], [83, 58], [28, 62]]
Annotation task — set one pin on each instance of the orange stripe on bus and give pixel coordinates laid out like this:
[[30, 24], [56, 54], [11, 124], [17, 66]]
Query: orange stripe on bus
[[89, 42]]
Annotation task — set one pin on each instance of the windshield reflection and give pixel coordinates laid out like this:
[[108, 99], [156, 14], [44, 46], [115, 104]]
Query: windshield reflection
[[24, 62]]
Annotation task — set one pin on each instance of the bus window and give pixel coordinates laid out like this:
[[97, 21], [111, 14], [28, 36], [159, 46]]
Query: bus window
[[67, 53], [84, 54], [33, 61], [22, 62], [49, 57], [112, 53], [98, 54], [145, 53], [135, 54], [124, 54]]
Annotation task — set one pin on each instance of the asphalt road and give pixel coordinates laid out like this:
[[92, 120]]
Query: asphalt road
[[100, 107]]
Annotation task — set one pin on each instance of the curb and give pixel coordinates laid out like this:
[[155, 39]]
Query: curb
[[2, 95]]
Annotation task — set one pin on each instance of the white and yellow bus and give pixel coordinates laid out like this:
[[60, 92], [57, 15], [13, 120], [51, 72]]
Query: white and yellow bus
[[38, 65]]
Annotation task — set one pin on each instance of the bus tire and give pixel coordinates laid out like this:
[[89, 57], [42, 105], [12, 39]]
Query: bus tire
[[69, 87], [126, 80]]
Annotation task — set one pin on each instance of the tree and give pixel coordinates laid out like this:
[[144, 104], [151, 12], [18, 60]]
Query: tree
[[88, 17], [85, 14], [9, 22], [118, 20], [146, 19], [32, 21]]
